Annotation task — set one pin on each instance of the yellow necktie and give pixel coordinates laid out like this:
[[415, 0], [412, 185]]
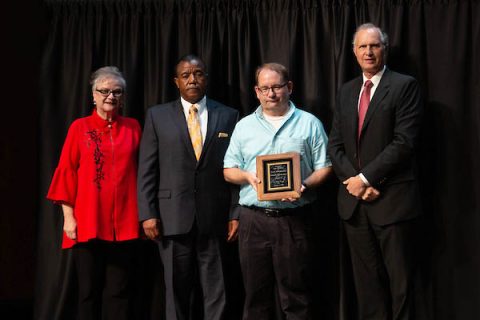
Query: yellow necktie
[[193, 123]]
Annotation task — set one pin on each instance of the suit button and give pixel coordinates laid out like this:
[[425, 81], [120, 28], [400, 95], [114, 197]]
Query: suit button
[[355, 155]]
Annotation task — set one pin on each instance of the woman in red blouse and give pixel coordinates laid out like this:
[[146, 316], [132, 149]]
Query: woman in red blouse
[[95, 183]]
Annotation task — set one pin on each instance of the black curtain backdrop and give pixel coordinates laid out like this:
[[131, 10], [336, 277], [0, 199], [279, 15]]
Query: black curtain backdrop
[[436, 41]]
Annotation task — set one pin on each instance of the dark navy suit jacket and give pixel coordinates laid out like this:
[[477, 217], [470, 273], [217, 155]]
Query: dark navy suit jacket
[[385, 153]]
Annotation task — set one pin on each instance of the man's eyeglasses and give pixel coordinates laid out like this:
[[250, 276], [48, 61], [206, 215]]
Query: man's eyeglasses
[[275, 88], [106, 92]]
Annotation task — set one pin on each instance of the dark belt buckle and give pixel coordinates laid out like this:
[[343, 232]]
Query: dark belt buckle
[[273, 212]]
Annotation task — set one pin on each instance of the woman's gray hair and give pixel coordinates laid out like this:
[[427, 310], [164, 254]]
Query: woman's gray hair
[[369, 25], [107, 72]]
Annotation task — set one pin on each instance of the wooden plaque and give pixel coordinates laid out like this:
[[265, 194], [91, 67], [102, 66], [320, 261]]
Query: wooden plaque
[[280, 176]]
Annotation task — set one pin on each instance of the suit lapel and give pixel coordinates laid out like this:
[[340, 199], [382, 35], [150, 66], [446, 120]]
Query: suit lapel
[[380, 93], [212, 123], [353, 103], [181, 123]]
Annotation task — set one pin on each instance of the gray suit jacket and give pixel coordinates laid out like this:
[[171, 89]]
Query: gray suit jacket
[[172, 185]]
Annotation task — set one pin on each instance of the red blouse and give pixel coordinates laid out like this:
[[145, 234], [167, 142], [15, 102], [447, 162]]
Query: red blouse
[[97, 176]]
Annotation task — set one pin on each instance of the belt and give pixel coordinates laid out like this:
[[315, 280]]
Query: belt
[[276, 213]]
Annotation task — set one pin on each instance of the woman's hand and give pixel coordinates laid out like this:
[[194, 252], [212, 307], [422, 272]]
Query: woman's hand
[[69, 222]]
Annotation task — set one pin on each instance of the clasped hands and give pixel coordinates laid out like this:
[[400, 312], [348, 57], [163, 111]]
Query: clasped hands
[[357, 188]]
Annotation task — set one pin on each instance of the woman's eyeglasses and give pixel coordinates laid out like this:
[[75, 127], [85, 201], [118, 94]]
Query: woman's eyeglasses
[[106, 92]]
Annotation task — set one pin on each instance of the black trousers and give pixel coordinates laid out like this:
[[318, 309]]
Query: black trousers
[[384, 266], [189, 259], [104, 272], [275, 259]]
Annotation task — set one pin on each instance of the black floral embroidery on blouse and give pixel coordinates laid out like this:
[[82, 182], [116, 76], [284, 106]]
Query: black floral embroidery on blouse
[[98, 157]]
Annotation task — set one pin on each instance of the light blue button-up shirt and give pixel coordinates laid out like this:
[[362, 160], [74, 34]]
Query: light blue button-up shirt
[[300, 132]]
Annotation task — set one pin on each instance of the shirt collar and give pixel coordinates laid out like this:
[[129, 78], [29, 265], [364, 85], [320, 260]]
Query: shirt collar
[[201, 105], [291, 110], [102, 123], [376, 78]]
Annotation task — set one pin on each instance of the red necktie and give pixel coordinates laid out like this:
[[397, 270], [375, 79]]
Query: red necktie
[[363, 106]]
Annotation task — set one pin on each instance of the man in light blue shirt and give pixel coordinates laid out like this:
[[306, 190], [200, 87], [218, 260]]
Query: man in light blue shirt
[[274, 235]]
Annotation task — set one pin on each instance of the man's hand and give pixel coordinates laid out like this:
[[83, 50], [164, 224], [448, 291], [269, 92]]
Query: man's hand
[[232, 230], [252, 179], [355, 186], [239, 176], [151, 227], [370, 194], [302, 189]]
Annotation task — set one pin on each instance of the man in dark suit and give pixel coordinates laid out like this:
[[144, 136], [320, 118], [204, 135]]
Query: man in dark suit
[[184, 202], [372, 148]]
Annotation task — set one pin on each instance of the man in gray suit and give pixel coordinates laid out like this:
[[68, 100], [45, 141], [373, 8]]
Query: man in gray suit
[[372, 147], [184, 202]]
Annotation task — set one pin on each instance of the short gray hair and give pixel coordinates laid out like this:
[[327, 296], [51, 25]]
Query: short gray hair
[[107, 72], [369, 25]]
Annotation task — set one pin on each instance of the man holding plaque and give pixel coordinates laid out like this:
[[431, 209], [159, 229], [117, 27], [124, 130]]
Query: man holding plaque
[[372, 147], [286, 144]]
